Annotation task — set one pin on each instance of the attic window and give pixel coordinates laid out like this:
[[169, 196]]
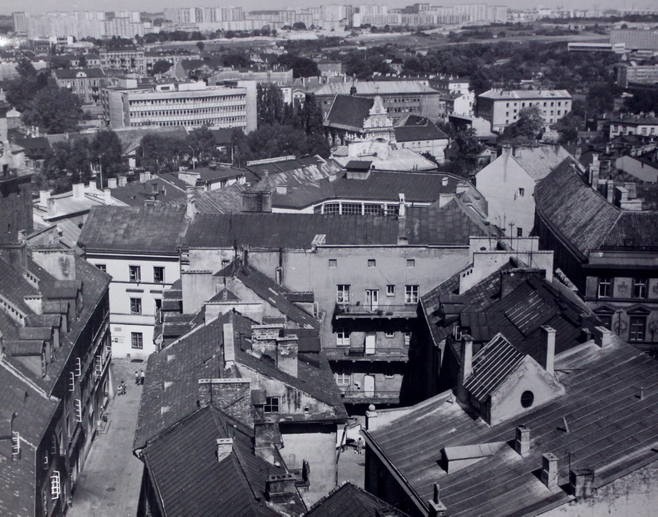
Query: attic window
[[271, 405], [527, 398]]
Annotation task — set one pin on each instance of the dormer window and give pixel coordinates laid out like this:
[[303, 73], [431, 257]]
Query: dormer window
[[271, 405]]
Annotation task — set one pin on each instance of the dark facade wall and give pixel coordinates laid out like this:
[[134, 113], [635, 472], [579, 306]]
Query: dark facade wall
[[380, 482], [15, 210]]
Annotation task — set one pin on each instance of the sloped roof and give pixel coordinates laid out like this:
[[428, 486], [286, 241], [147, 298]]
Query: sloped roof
[[349, 499], [183, 466], [492, 365], [147, 229], [413, 442], [375, 88], [34, 412], [348, 112], [586, 221], [539, 161], [269, 291], [135, 193], [89, 73], [413, 128]]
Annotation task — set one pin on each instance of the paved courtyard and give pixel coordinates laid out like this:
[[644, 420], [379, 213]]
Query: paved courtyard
[[110, 481]]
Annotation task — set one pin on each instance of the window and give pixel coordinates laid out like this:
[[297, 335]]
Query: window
[[158, 304], [411, 262], [390, 290], [606, 320], [342, 379], [410, 294], [605, 287], [521, 192], [271, 405], [407, 338], [331, 208], [134, 273], [135, 306], [102, 267], [372, 263], [351, 209], [343, 293], [333, 263], [136, 340], [637, 328], [372, 209], [527, 398], [389, 334], [519, 232], [342, 338], [158, 274], [640, 288]]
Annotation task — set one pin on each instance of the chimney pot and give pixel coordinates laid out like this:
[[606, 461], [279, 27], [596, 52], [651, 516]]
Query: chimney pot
[[549, 339]]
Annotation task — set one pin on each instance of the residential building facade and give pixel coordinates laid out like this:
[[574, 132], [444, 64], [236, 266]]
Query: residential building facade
[[502, 107], [85, 83]]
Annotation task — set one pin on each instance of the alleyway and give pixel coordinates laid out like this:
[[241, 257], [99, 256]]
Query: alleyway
[[110, 481]]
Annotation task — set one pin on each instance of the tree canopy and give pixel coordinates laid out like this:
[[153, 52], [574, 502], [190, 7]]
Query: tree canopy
[[527, 129], [53, 110]]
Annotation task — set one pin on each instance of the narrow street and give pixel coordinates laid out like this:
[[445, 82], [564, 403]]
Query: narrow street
[[110, 481]]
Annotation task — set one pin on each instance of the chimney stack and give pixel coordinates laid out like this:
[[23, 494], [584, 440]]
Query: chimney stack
[[123, 180], [580, 482], [232, 395], [522, 440], [437, 508], [371, 415], [467, 358], [229, 345], [287, 349], [549, 339], [602, 336], [280, 487], [610, 191], [111, 183], [594, 170], [549, 471], [224, 448]]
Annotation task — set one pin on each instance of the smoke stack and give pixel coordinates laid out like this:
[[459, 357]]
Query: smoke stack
[[549, 472], [549, 339]]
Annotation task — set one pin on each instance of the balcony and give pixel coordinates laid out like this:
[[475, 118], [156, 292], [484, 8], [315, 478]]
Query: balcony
[[359, 353], [359, 311]]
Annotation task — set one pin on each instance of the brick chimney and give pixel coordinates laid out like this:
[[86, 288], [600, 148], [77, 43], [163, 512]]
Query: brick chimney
[[287, 349], [522, 440], [580, 483], [437, 508], [231, 395], [549, 340], [466, 368], [280, 488], [549, 470], [224, 448]]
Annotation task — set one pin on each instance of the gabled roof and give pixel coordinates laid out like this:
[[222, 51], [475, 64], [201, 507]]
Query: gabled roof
[[348, 112], [136, 193], [586, 221], [183, 467], [539, 161], [84, 73], [270, 292], [349, 499], [147, 229], [492, 365], [375, 88], [412, 443]]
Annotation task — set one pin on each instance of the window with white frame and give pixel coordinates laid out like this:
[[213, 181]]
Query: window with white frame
[[136, 340], [342, 379], [343, 293], [135, 273], [135, 306], [605, 287], [158, 274], [410, 294], [342, 338], [640, 287]]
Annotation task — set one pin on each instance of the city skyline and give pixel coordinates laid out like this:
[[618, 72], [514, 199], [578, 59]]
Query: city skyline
[[40, 6]]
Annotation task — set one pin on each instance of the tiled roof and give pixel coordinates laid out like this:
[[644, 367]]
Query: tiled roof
[[34, 412], [451, 224], [348, 112], [585, 219], [269, 291], [14, 287], [190, 481], [492, 365], [136, 193], [149, 229], [413, 128], [539, 161], [589, 374], [418, 187], [261, 169], [349, 499]]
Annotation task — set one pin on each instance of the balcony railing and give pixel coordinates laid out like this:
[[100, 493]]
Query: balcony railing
[[358, 310], [400, 353]]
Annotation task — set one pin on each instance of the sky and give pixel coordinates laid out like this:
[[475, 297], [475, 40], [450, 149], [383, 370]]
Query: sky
[[35, 6]]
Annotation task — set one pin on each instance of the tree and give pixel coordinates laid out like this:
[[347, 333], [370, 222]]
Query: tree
[[299, 26], [202, 144], [527, 129], [567, 128], [105, 150], [464, 150], [269, 104], [161, 66], [53, 110], [21, 91], [200, 45], [301, 66]]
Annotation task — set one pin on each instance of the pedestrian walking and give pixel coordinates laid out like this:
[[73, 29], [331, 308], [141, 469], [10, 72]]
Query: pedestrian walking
[[141, 377], [359, 446], [136, 376]]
